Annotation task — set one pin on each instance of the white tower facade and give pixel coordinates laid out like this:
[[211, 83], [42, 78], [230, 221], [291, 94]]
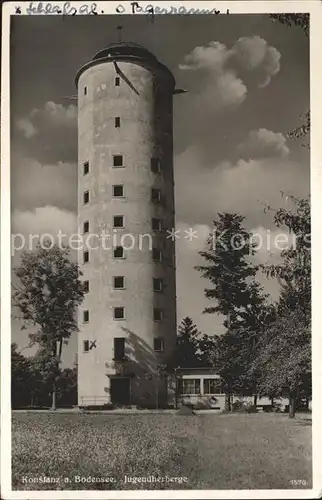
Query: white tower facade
[[127, 322]]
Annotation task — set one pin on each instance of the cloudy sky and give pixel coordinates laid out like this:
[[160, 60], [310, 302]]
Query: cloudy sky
[[248, 85]]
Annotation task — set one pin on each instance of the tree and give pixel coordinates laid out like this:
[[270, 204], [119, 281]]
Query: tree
[[237, 296], [48, 295], [20, 378], [187, 344], [292, 327]]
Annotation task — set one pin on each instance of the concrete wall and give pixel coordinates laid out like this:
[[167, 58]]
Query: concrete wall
[[143, 101]]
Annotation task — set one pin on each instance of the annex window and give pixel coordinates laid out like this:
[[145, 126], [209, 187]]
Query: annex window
[[118, 282], [157, 284], [118, 191], [85, 316], [118, 221], [117, 161], [86, 286], [119, 313], [86, 197], [86, 257], [117, 122], [86, 345], [189, 386], [118, 252], [156, 255], [212, 386], [86, 227], [158, 344], [86, 167], [155, 165], [85, 90], [117, 81], [119, 349], [156, 195], [157, 314], [156, 224]]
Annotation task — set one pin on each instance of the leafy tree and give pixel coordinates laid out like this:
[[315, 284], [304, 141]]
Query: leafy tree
[[20, 378], [285, 358], [48, 295], [237, 296], [299, 20], [67, 387], [290, 334]]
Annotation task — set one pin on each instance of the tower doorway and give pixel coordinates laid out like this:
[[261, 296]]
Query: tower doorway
[[120, 391]]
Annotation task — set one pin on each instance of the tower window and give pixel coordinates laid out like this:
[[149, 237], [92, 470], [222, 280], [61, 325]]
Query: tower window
[[156, 255], [86, 167], [117, 161], [155, 165], [86, 227], [86, 197], [117, 81], [117, 122], [86, 257], [86, 286], [118, 252], [157, 284], [118, 221], [157, 315], [158, 344], [118, 191], [119, 349], [118, 282], [86, 316], [156, 195], [85, 90], [118, 313], [156, 225], [86, 345]]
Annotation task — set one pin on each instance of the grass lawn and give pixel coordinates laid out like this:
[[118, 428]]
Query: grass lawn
[[213, 451]]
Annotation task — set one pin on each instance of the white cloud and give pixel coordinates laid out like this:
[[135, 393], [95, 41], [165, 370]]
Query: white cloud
[[51, 114], [222, 85], [49, 133], [34, 184], [263, 143]]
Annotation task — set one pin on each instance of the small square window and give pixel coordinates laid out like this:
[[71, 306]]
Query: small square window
[[86, 227], [85, 316], [86, 257], [86, 345], [86, 197], [156, 255], [117, 81], [156, 195], [119, 313], [86, 286], [117, 122], [118, 221], [157, 315], [158, 344], [86, 167], [118, 191], [85, 90], [118, 252], [156, 225], [117, 161], [118, 282], [155, 165], [157, 285]]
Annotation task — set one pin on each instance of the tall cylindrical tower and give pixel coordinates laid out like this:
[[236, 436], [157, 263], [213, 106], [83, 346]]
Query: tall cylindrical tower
[[127, 322]]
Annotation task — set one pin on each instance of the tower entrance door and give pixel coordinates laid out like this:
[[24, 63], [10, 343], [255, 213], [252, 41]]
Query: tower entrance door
[[120, 391]]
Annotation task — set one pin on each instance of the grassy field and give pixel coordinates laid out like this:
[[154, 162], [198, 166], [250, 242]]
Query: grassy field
[[212, 451]]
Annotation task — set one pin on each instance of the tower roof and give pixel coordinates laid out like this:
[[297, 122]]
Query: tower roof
[[127, 51]]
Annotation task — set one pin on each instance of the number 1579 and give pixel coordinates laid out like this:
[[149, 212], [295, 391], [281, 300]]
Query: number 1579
[[298, 482]]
